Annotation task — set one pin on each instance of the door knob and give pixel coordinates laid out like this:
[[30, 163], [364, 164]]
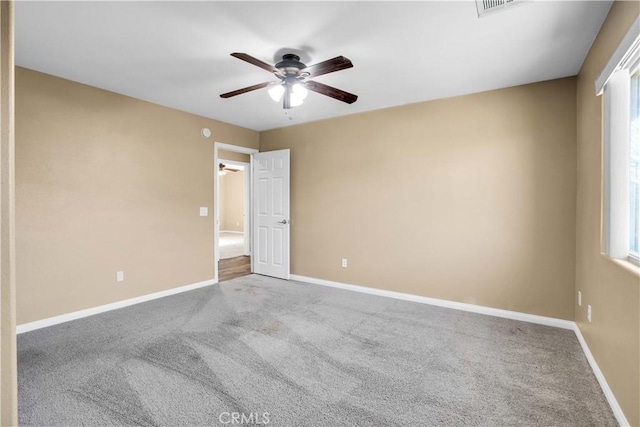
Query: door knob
[[284, 221]]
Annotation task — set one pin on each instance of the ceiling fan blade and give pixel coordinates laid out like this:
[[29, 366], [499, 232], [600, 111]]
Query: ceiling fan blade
[[248, 89], [329, 66], [258, 63], [331, 91], [223, 167]]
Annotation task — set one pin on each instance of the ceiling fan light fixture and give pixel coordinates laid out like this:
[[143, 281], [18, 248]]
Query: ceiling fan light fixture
[[295, 101], [300, 91], [276, 92], [297, 95]]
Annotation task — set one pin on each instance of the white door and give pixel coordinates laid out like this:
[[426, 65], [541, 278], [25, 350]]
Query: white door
[[271, 213]]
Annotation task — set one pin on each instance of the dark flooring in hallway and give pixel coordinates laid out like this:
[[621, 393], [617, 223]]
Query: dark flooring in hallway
[[233, 267]]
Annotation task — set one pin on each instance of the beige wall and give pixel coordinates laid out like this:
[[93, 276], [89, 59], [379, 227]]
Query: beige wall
[[8, 366], [222, 194], [232, 155], [468, 199], [106, 183], [231, 198], [612, 290]]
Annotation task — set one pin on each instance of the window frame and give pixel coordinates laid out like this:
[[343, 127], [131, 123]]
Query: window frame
[[614, 82]]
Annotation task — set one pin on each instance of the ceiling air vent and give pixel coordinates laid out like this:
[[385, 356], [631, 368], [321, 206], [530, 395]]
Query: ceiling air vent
[[486, 7]]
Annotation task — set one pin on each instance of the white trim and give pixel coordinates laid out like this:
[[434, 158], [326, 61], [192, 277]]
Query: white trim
[[616, 165], [497, 312], [248, 173], [507, 314], [235, 148], [216, 212], [38, 324], [231, 231], [615, 407], [252, 260], [620, 57]]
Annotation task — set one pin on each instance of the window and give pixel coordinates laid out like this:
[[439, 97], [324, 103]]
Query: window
[[634, 167], [620, 83]]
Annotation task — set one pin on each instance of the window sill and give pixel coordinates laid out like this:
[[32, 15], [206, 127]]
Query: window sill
[[626, 264]]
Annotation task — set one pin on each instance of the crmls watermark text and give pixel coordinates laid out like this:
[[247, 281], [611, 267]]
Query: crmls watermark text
[[240, 418]]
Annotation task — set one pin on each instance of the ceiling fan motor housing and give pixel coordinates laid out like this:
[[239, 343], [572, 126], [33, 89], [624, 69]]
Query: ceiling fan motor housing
[[290, 64]]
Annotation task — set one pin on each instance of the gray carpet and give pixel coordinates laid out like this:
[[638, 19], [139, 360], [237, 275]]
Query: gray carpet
[[305, 355]]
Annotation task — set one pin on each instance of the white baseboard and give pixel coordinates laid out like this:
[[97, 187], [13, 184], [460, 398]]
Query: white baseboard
[[231, 231], [38, 324], [525, 317], [615, 407]]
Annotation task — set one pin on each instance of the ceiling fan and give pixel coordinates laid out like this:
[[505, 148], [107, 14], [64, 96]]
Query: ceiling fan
[[223, 169], [293, 84]]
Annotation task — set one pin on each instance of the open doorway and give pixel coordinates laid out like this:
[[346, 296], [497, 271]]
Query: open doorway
[[232, 211], [235, 257]]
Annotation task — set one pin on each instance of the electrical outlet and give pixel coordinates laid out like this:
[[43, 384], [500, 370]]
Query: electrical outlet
[[344, 263], [589, 312], [204, 211], [120, 276], [580, 298]]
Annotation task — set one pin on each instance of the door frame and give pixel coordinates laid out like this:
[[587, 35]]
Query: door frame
[[216, 204]]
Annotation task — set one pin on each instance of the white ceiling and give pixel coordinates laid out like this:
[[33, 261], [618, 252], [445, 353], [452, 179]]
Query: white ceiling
[[177, 53]]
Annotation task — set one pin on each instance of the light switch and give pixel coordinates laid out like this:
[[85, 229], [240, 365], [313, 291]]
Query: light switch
[[204, 211]]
